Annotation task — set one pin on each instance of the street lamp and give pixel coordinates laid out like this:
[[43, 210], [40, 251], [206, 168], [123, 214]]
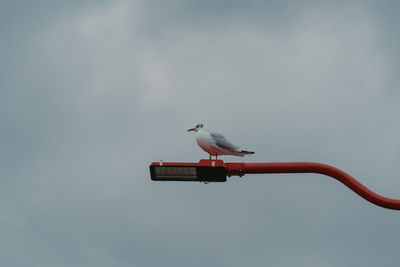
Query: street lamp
[[217, 171], [204, 171]]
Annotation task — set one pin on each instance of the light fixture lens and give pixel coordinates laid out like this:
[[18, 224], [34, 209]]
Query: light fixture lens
[[184, 173]]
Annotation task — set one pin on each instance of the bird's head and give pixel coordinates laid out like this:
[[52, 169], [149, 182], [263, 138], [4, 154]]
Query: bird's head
[[197, 128]]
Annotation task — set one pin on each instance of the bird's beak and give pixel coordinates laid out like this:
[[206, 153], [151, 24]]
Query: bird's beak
[[191, 129]]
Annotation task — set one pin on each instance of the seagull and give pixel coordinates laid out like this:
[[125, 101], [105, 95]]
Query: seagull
[[215, 143]]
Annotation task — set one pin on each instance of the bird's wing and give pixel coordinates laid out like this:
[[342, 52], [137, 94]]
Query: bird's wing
[[221, 141]]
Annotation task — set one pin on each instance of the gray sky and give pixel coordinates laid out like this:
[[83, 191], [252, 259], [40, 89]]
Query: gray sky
[[91, 92]]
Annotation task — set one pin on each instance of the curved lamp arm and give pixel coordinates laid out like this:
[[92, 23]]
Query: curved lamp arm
[[311, 167]]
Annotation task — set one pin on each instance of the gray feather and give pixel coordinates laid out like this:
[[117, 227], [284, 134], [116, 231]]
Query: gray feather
[[221, 141]]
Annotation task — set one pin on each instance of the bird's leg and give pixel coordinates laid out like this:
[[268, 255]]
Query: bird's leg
[[210, 157], [216, 156]]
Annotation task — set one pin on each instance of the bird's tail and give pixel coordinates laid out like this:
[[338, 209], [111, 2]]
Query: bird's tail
[[247, 152]]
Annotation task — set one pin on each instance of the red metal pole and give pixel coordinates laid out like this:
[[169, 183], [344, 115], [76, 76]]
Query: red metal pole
[[241, 169]]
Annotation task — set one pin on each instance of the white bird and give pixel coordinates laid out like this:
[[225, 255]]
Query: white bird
[[216, 144]]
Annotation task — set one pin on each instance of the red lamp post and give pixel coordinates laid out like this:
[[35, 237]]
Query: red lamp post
[[217, 170]]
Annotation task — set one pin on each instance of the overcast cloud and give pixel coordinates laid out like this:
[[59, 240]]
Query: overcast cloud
[[91, 92]]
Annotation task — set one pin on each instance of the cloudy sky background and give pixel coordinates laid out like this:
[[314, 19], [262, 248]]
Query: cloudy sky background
[[91, 92]]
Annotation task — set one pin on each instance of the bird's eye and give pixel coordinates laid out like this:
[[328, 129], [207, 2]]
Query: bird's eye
[[198, 125], [201, 125]]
